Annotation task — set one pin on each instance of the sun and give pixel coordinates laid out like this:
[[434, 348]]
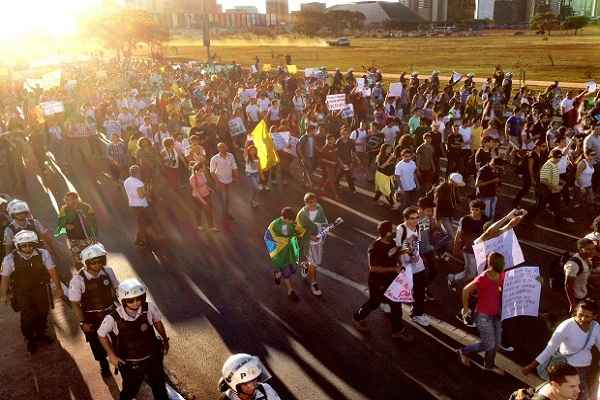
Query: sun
[[57, 18]]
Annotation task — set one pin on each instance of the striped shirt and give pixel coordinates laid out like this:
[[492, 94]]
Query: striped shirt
[[549, 176]]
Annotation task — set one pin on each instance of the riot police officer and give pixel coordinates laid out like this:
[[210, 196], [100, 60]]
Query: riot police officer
[[29, 271], [244, 377], [22, 220], [134, 347], [92, 292]]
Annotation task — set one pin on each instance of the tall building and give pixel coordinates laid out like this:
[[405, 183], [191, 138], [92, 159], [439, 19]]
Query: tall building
[[314, 6], [279, 9], [460, 10], [484, 9]]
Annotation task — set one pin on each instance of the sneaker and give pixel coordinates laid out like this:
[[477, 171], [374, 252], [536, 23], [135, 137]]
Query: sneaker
[[464, 360], [314, 288], [403, 335], [267, 188], [451, 285], [360, 326], [467, 322], [304, 269], [421, 320], [260, 187], [495, 370], [293, 296], [508, 349]]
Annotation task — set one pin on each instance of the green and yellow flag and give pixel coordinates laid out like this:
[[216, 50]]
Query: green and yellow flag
[[267, 156]]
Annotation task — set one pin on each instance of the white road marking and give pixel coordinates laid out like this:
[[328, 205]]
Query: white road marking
[[199, 292], [172, 393], [278, 319], [350, 209], [445, 328]]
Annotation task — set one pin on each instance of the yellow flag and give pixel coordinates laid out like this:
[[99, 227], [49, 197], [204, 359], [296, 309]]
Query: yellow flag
[[292, 69], [383, 183], [266, 67], [267, 156]]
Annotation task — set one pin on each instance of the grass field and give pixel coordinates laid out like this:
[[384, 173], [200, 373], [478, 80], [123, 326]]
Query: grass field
[[575, 58]]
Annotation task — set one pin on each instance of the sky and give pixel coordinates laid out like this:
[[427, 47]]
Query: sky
[[294, 4]]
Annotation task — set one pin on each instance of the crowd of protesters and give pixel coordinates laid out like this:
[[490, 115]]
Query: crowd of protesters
[[169, 128]]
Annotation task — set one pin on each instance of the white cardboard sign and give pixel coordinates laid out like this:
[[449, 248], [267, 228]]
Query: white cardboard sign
[[521, 292], [400, 290], [395, 90], [506, 244], [336, 102]]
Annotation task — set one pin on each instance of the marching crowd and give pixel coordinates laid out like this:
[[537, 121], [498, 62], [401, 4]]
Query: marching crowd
[[176, 129]]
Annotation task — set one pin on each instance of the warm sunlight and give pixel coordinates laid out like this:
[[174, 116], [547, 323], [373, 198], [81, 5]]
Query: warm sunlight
[[55, 18]]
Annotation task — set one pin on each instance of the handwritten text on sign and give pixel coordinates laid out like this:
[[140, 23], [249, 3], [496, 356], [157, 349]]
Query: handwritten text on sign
[[506, 244], [336, 102], [400, 291], [521, 292]]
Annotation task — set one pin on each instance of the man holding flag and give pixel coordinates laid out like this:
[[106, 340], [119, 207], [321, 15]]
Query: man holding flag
[[281, 239]]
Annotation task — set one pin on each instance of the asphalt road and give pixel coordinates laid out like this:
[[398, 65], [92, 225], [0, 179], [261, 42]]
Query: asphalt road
[[218, 297]]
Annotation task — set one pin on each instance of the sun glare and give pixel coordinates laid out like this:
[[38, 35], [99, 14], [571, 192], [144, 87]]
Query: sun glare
[[57, 18]]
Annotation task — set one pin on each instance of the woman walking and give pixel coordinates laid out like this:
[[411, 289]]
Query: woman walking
[[201, 194], [253, 172]]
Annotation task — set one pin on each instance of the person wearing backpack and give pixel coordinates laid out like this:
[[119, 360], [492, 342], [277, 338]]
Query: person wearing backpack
[[563, 384], [571, 343], [577, 272]]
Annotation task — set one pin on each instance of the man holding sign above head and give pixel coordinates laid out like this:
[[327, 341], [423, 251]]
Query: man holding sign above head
[[383, 270]]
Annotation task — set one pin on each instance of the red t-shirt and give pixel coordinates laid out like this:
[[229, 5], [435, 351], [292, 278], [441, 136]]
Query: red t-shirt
[[489, 292]]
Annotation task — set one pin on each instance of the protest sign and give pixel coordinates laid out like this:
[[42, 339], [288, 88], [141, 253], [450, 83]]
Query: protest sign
[[292, 69], [52, 107], [366, 91], [281, 140], [360, 83], [456, 76], [236, 126], [506, 244], [400, 290], [46, 82], [250, 93], [348, 111], [291, 147], [336, 102], [591, 86], [309, 72], [521, 292], [395, 89]]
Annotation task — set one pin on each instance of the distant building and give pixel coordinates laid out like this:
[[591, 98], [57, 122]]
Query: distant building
[[484, 9], [460, 10], [589, 8], [429, 10], [315, 6], [245, 9], [278, 10], [377, 12]]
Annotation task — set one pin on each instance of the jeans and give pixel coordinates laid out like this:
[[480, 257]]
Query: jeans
[[490, 206], [377, 287], [223, 195], [470, 270], [446, 223], [584, 377], [419, 284], [254, 179], [490, 332]]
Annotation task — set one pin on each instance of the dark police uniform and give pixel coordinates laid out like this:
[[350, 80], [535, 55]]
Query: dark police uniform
[[31, 295], [97, 298], [134, 340]]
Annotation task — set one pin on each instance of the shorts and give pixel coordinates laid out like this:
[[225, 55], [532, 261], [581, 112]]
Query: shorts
[[314, 252], [288, 271]]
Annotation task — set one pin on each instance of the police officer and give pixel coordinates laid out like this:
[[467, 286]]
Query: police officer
[[244, 377], [22, 220], [29, 271], [92, 292], [134, 347]]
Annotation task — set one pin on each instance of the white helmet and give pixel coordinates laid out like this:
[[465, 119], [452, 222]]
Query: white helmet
[[242, 368], [3, 201], [92, 251], [130, 289], [17, 207], [414, 74], [25, 236]]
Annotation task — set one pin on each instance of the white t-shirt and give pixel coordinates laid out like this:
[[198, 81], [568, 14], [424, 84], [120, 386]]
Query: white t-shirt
[[360, 139], [264, 104], [566, 105], [580, 277], [131, 185], [223, 167], [390, 133], [568, 338], [405, 171], [467, 134], [412, 241]]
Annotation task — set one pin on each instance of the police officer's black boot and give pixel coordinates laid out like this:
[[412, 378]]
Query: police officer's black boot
[[105, 368]]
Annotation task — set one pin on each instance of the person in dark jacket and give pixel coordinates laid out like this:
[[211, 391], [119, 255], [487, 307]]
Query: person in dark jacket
[[446, 200]]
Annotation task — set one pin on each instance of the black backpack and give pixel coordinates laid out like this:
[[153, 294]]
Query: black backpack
[[556, 276]]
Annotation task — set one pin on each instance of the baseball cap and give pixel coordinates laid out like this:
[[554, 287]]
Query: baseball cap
[[457, 179]]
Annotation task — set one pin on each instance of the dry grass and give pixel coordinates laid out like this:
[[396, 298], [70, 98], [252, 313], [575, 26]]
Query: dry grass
[[575, 58]]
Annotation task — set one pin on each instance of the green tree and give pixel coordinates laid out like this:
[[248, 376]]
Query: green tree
[[545, 22], [576, 23], [309, 22]]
